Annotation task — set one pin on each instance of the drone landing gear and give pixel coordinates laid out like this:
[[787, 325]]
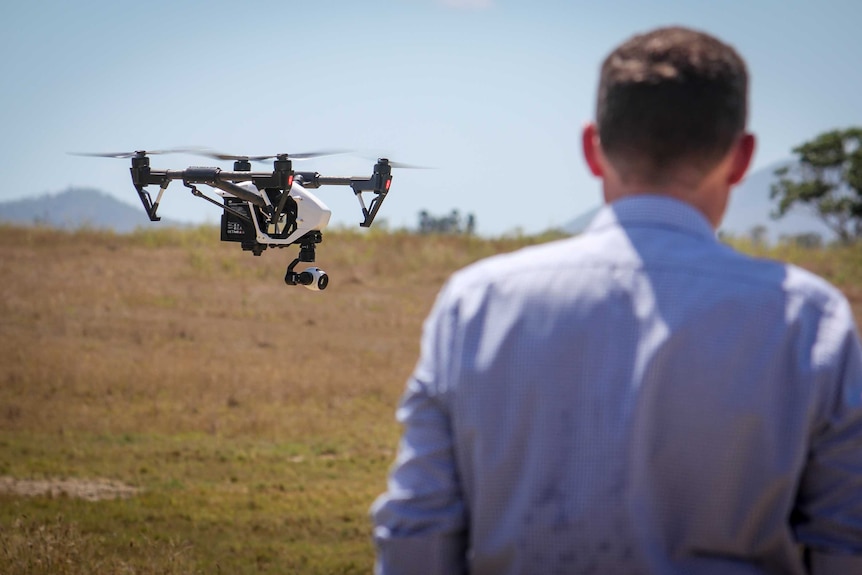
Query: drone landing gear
[[313, 278]]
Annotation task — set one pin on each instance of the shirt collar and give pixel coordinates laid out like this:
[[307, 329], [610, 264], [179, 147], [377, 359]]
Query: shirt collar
[[655, 211]]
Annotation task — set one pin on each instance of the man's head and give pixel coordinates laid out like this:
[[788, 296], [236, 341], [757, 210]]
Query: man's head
[[672, 106]]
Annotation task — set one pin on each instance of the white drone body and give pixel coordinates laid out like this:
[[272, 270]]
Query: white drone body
[[311, 214]]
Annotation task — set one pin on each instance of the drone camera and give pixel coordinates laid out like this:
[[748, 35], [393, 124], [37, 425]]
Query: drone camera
[[314, 279]]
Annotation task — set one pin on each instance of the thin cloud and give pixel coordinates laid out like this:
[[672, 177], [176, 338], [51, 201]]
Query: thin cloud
[[468, 4]]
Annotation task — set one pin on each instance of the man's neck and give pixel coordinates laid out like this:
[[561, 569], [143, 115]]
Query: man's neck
[[706, 194]]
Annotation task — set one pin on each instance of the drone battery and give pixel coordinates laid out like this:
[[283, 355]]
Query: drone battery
[[234, 228]]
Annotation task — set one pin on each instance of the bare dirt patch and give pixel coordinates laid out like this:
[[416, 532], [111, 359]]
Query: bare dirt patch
[[88, 489]]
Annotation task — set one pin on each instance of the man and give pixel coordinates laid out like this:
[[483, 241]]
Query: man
[[641, 398]]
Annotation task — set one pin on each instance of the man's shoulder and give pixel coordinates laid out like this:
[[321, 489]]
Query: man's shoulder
[[789, 280], [813, 288], [727, 266]]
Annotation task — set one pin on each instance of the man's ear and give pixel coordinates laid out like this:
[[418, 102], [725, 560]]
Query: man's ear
[[592, 149], [742, 156]]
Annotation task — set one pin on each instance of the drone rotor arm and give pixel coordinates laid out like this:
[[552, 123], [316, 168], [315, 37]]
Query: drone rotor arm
[[239, 192], [335, 181], [378, 183]]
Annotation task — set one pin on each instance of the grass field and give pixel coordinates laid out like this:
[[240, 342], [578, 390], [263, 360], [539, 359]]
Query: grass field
[[180, 410]]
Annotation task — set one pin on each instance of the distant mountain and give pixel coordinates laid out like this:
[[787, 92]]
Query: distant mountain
[[750, 206], [75, 208], [580, 223]]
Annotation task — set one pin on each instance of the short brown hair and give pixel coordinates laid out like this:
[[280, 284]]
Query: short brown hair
[[671, 95]]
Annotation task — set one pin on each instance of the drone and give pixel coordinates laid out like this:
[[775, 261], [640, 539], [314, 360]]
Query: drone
[[264, 209]]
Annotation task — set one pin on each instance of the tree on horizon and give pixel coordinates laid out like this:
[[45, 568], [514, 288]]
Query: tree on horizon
[[826, 178]]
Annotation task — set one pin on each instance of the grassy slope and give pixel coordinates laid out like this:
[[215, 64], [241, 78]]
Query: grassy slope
[[257, 419]]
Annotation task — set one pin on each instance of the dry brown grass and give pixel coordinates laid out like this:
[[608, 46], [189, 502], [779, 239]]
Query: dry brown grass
[[106, 334], [255, 419], [58, 547], [248, 413]]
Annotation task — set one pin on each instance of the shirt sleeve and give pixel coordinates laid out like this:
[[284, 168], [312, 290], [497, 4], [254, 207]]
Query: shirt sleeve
[[828, 518], [420, 524]]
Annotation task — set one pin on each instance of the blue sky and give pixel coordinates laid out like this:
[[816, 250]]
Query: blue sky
[[491, 92]]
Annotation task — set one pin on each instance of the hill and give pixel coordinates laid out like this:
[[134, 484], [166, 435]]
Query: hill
[[75, 208], [750, 206]]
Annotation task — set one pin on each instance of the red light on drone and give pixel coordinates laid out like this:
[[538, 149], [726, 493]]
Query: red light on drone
[[388, 183], [289, 182]]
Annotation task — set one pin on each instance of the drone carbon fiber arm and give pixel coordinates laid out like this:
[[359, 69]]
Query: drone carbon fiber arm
[[280, 178], [379, 183]]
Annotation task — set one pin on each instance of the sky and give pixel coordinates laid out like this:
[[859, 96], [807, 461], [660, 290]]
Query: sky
[[491, 93]]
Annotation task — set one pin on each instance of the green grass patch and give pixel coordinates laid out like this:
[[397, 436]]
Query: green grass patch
[[205, 504]]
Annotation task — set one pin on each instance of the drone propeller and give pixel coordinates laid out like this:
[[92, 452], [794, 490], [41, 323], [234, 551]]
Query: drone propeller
[[302, 156], [403, 166], [139, 153], [380, 155], [207, 153]]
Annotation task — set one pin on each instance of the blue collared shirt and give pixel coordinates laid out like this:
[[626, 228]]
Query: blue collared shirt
[[637, 399]]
